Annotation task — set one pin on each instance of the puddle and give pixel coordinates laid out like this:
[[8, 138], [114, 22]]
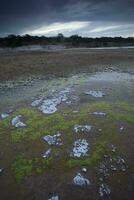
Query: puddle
[[107, 85]]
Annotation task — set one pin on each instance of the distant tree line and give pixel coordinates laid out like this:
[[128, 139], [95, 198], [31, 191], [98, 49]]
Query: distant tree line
[[72, 41]]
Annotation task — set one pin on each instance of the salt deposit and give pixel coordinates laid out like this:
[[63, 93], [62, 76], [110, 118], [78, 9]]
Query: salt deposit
[[80, 148]]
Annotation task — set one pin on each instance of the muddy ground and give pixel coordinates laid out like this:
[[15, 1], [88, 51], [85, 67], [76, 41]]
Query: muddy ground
[[16, 64], [88, 90]]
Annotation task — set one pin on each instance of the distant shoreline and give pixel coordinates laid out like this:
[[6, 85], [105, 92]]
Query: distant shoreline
[[49, 48]]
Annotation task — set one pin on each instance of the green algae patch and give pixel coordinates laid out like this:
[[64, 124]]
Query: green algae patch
[[24, 167], [39, 124], [118, 111], [125, 106], [122, 117]]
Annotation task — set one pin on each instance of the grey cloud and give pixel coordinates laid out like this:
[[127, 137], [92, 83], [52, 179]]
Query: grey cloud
[[19, 16]]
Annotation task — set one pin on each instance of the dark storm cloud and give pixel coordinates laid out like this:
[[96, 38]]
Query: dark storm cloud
[[20, 16]]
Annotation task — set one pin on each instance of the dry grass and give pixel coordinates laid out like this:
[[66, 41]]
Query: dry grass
[[60, 63]]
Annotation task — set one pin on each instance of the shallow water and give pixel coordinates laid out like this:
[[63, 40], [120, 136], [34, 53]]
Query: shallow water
[[118, 88], [121, 83]]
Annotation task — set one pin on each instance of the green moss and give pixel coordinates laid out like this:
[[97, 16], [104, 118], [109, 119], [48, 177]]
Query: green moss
[[39, 124], [120, 111], [22, 168], [125, 106], [122, 117]]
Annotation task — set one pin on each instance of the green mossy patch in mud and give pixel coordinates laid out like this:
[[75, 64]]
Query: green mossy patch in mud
[[120, 111], [24, 167], [125, 106], [39, 124]]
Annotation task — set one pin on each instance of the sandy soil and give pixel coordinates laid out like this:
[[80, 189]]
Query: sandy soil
[[22, 64]]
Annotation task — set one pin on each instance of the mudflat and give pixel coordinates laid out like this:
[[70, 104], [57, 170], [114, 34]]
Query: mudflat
[[67, 124], [15, 64]]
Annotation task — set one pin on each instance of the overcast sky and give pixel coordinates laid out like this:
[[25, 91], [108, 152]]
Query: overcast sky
[[92, 18]]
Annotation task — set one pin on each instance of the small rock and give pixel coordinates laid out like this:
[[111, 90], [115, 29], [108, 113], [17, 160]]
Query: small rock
[[47, 154], [82, 128], [84, 170], [4, 115], [75, 111], [80, 180], [97, 94], [16, 121], [54, 198], [103, 114], [112, 165], [104, 190], [1, 170], [113, 168], [53, 139], [113, 148], [121, 128], [121, 163], [69, 102], [104, 170], [101, 179]]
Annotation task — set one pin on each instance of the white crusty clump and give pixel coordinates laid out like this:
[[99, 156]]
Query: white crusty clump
[[99, 113], [121, 128], [104, 190], [80, 180], [54, 198], [49, 106], [82, 128], [16, 121], [84, 169], [47, 154], [4, 115], [53, 139], [97, 94], [80, 148]]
